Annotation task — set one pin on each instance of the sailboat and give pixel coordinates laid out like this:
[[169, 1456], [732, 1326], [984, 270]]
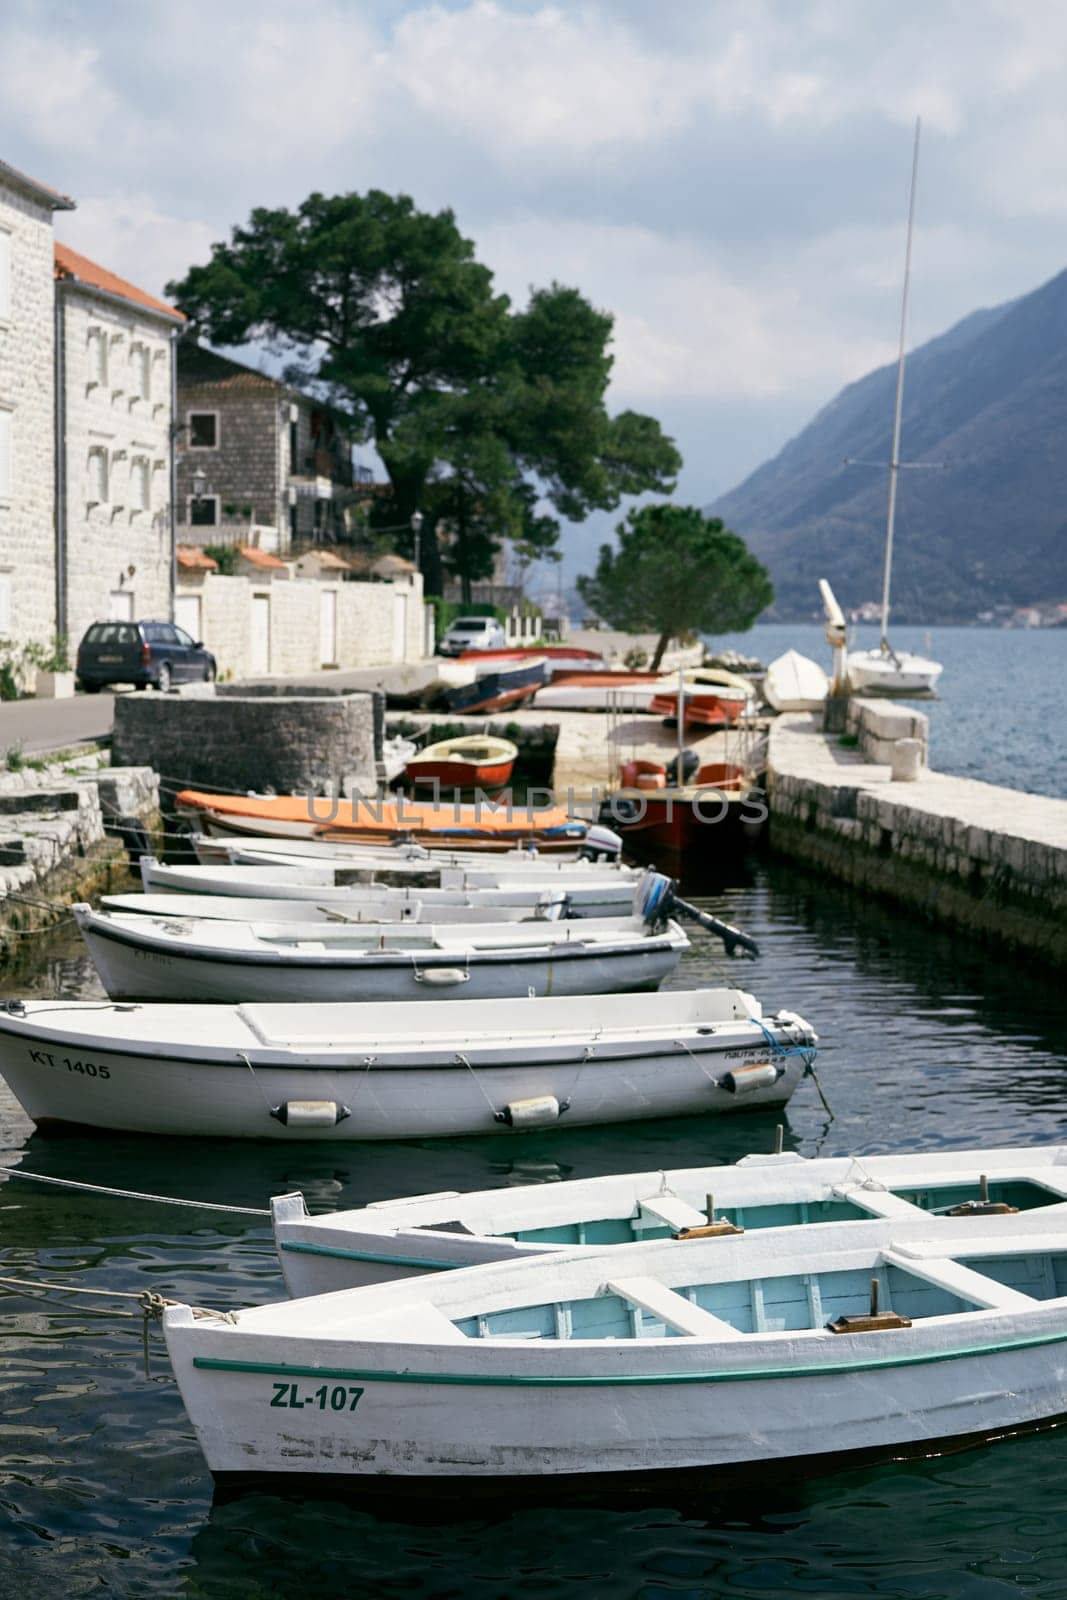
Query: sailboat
[[885, 670]]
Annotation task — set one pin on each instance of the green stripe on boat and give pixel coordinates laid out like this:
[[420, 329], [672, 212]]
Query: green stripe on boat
[[306, 1249], [505, 1380]]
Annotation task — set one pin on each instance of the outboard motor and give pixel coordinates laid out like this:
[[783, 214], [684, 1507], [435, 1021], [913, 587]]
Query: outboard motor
[[600, 844], [656, 899], [690, 766]]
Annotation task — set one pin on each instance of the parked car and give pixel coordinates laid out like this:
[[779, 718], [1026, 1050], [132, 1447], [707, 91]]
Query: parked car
[[473, 633], [141, 653]]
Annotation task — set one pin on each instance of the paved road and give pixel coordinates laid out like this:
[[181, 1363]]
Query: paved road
[[53, 724]]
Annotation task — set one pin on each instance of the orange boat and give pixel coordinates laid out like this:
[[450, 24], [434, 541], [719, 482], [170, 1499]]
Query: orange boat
[[711, 707], [718, 809], [477, 827]]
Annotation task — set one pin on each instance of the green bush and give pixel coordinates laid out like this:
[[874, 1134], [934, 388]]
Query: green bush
[[224, 556]]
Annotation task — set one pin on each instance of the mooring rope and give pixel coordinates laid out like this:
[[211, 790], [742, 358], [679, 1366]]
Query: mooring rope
[[133, 1194], [152, 1305]]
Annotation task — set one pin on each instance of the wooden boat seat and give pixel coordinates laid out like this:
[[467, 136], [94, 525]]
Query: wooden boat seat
[[879, 1202], [965, 1282], [676, 1213], [673, 1309]]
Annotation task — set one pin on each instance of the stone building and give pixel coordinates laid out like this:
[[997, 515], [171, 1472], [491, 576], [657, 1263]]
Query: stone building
[[27, 407], [258, 462], [114, 537]]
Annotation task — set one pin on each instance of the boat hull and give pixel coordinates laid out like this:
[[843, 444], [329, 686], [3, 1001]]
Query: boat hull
[[131, 967], [447, 1410], [493, 691], [655, 820], [702, 706], [875, 672], [461, 774], [399, 1093]]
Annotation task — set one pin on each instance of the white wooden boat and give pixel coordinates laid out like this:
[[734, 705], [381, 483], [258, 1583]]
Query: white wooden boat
[[782, 1346], [588, 893], [795, 683], [186, 958], [427, 1233], [634, 697], [445, 1069], [408, 857], [363, 905]]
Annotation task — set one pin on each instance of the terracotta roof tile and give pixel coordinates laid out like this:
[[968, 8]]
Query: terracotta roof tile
[[199, 367], [259, 558], [192, 559], [328, 558], [74, 268]]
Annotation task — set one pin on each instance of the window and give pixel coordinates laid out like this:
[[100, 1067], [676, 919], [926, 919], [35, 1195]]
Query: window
[[97, 356], [140, 483], [203, 430], [204, 512], [141, 363], [98, 476], [5, 603], [5, 455], [5, 275], [184, 638]]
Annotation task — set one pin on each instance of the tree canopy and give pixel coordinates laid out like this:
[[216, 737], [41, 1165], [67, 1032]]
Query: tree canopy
[[489, 419], [676, 571]]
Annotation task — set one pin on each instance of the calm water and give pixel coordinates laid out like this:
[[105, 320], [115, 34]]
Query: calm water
[[102, 1489], [1002, 700], [926, 1043]]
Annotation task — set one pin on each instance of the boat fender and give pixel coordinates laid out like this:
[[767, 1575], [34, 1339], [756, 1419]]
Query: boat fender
[[532, 1113], [310, 1113], [442, 977], [744, 1080]]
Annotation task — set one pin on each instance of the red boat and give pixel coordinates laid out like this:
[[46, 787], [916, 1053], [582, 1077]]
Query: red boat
[[717, 808], [711, 707], [475, 761]]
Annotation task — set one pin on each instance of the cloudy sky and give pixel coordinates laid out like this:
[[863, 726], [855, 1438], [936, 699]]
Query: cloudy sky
[[729, 179]]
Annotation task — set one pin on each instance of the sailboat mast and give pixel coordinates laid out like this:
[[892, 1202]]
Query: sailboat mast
[[894, 458]]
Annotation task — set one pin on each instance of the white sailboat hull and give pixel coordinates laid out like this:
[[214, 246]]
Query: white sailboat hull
[[206, 1072], [875, 672]]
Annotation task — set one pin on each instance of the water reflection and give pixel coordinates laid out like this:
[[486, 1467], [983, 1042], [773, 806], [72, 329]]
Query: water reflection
[[925, 1042]]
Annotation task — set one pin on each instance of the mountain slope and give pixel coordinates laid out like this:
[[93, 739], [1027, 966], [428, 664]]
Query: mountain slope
[[988, 399]]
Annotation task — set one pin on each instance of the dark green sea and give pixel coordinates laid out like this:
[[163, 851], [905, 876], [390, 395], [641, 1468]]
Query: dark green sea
[[927, 1042]]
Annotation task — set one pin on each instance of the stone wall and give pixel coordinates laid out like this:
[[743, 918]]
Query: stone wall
[[378, 624], [877, 726], [118, 553], [27, 394], [989, 862], [293, 744], [244, 468]]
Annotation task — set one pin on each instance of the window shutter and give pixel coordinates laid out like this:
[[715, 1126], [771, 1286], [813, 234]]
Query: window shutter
[[5, 275], [5, 456]]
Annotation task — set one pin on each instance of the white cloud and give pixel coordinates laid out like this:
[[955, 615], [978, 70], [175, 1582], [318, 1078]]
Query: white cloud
[[51, 89], [127, 234]]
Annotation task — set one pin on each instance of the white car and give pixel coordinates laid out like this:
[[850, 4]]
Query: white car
[[473, 633]]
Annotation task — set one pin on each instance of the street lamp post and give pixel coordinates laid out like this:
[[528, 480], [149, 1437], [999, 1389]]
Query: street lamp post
[[416, 528]]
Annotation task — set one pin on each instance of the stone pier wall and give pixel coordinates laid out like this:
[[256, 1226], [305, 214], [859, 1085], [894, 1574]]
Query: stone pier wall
[[991, 862], [291, 743]]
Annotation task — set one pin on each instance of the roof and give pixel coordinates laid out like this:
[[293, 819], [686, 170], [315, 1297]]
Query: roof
[[203, 367], [192, 559], [40, 191], [328, 558], [259, 558], [77, 269]]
